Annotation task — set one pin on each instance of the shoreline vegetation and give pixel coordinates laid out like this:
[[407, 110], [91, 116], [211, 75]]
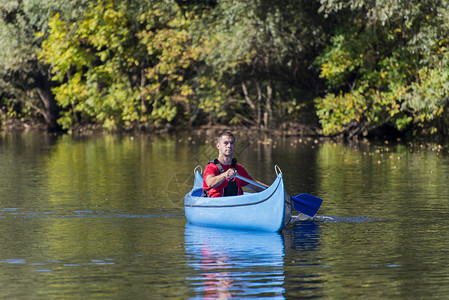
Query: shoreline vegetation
[[339, 69], [16, 126], [304, 133]]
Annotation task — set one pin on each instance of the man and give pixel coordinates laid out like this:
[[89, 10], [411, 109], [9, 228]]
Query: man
[[218, 179]]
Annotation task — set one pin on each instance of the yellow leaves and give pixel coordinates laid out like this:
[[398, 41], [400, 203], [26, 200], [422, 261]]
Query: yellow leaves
[[103, 55], [186, 91], [333, 68], [336, 112], [373, 107], [113, 16]]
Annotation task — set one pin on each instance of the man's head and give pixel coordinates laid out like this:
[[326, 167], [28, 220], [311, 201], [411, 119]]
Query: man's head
[[225, 133], [226, 143]]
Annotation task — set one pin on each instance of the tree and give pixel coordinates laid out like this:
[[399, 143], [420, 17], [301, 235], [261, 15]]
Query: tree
[[122, 64], [260, 52], [386, 65], [25, 88]]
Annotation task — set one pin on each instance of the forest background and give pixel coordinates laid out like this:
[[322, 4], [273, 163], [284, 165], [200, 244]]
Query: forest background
[[338, 67]]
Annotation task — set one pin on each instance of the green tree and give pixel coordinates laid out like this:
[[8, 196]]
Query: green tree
[[258, 56], [25, 87], [170, 89], [386, 65], [123, 63]]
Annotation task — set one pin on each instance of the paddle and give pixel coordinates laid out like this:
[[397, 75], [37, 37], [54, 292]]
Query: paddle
[[304, 203], [250, 181]]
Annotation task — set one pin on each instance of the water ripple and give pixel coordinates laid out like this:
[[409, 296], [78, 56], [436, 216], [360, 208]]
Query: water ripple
[[84, 214], [337, 219]]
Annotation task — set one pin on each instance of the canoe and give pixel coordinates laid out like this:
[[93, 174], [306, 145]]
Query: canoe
[[269, 210]]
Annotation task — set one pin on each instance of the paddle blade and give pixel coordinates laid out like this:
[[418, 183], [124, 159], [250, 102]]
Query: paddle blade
[[306, 204]]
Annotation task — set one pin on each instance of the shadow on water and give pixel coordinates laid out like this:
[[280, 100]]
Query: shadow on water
[[302, 248], [303, 235]]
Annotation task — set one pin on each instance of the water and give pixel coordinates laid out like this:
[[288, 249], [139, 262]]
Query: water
[[102, 217]]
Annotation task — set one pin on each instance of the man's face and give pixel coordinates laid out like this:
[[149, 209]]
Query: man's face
[[226, 145]]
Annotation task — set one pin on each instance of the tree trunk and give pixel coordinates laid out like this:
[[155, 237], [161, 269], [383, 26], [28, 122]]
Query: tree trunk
[[51, 108], [259, 105], [268, 110]]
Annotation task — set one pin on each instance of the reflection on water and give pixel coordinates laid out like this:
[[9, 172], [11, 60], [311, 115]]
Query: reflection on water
[[234, 263], [303, 243], [102, 217]]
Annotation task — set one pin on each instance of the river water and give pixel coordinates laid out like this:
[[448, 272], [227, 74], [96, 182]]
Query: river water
[[102, 217]]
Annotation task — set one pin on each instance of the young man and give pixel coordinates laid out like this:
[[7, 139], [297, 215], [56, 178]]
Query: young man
[[218, 179]]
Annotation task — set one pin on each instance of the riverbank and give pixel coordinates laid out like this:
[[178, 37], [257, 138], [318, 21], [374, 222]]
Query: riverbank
[[311, 133], [286, 129]]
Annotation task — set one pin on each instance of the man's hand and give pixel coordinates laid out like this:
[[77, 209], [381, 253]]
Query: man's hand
[[214, 181], [231, 173]]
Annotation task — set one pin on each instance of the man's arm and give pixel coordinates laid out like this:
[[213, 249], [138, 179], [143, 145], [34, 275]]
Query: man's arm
[[213, 181], [256, 188], [253, 187]]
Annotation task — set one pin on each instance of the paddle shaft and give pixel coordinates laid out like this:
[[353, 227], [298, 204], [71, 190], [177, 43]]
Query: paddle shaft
[[304, 203], [250, 181]]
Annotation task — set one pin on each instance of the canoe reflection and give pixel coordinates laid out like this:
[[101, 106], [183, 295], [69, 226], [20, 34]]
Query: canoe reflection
[[234, 263]]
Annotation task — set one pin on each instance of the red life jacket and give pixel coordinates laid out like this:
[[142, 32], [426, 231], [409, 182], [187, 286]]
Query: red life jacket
[[232, 188]]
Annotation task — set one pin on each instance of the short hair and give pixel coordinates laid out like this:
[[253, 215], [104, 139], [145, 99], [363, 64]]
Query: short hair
[[225, 133]]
